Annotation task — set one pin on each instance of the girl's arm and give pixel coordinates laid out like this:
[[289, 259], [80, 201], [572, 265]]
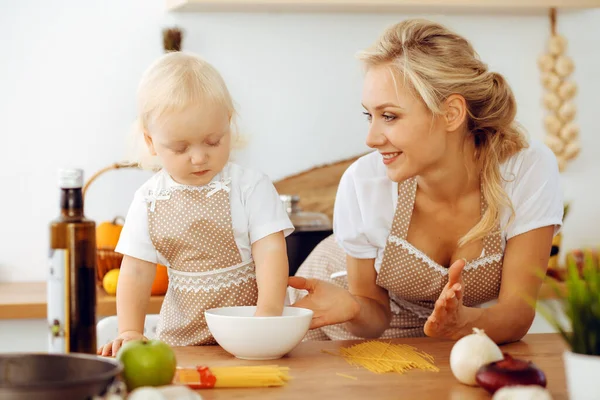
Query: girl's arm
[[272, 270], [133, 292]]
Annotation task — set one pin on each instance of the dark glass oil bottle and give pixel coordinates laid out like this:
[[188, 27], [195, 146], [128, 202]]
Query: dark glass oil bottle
[[72, 277]]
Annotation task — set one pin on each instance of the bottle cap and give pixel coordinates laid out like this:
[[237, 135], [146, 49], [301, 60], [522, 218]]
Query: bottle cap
[[70, 178]]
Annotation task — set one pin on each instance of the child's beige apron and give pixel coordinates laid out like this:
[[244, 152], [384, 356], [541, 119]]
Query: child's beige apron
[[413, 280], [192, 228]]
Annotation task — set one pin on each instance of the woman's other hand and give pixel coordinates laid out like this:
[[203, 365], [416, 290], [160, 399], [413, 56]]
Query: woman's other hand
[[447, 319]]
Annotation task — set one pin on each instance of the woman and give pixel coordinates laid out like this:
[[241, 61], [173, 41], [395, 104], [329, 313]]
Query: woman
[[454, 208]]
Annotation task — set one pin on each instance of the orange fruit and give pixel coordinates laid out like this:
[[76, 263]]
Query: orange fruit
[[110, 280], [161, 281]]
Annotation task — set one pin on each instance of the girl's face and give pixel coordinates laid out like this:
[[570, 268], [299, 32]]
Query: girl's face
[[409, 137], [194, 144]]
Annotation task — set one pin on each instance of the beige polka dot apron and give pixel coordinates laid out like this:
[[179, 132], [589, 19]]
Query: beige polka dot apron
[[414, 281], [192, 228]]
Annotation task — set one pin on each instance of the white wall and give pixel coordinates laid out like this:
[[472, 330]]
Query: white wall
[[68, 74]]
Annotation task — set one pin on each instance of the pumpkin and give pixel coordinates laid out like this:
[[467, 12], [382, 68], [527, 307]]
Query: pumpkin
[[161, 281], [108, 233]]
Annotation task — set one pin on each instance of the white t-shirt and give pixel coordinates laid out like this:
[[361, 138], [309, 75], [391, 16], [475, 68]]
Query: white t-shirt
[[256, 212], [366, 200]]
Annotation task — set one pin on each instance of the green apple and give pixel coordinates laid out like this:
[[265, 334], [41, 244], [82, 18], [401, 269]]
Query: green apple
[[147, 363]]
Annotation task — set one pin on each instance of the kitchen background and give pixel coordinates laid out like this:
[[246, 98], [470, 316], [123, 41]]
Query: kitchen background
[[69, 71]]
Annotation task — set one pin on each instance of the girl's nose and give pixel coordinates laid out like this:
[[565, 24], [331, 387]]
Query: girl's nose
[[198, 157]]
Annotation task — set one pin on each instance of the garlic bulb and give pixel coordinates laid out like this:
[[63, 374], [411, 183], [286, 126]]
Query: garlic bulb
[[470, 353], [168, 392], [552, 124], [572, 150], [146, 393], [555, 67], [567, 90], [567, 112], [522, 393], [177, 392], [557, 45], [555, 143], [551, 81], [568, 132], [551, 101], [564, 66], [546, 62]]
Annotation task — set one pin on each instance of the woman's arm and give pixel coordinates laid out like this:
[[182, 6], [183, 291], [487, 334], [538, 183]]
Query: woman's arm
[[526, 256], [374, 314], [272, 270], [364, 308]]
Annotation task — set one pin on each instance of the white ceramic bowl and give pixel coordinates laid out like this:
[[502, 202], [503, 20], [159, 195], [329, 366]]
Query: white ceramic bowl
[[258, 338]]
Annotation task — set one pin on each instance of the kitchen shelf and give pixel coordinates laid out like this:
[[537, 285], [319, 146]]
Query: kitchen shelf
[[27, 300], [374, 5]]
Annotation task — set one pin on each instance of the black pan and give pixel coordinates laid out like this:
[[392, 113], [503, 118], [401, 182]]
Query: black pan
[[25, 376]]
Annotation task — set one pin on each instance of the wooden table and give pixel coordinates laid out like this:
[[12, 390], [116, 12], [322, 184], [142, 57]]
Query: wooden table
[[314, 373]]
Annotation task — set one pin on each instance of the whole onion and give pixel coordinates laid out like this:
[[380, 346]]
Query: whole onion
[[509, 372], [470, 353]]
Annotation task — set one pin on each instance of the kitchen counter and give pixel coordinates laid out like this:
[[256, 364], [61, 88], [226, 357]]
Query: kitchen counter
[[315, 373], [27, 300]]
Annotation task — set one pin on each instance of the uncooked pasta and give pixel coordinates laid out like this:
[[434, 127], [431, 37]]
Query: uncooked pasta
[[381, 357], [232, 377]]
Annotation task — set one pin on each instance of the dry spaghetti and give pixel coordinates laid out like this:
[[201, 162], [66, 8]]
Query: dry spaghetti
[[232, 377], [381, 357]]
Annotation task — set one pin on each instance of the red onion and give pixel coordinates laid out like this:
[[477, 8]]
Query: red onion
[[509, 372]]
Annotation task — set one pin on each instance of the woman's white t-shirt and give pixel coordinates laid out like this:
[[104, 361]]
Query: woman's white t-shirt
[[256, 212], [366, 200]]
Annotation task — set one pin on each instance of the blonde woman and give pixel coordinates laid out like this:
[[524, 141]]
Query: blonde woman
[[453, 209], [219, 228]]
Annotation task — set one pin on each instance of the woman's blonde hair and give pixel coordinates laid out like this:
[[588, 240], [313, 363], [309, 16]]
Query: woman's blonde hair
[[436, 63], [172, 83]]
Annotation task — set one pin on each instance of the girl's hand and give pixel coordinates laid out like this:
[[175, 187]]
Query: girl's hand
[[330, 304], [110, 349], [447, 319], [268, 312]]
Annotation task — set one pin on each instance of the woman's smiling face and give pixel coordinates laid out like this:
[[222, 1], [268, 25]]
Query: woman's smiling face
[[409, 137]]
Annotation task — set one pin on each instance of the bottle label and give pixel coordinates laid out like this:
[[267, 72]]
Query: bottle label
[[58, 301]]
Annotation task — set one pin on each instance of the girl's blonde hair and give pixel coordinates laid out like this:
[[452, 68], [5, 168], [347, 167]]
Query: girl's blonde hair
[[172, 83], [436, 63]]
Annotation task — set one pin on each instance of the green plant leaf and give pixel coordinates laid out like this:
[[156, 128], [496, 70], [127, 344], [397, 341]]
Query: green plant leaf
[[580, 304]]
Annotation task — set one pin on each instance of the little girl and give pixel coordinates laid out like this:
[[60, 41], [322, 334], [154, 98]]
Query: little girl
[[219, 228]]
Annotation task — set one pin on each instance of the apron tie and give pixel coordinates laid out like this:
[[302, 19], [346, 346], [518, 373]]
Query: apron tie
[[152, 197], [219, 185]]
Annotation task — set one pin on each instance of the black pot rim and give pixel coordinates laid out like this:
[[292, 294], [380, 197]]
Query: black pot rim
[[98, 378]]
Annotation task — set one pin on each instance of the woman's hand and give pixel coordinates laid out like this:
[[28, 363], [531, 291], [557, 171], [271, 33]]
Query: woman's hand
[[448, 319], [330, 304]]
